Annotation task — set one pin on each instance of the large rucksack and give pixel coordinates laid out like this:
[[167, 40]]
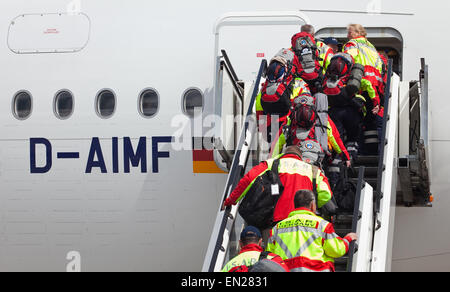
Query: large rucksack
[[307, 60], [321, 130], [277, 89], [314, 112], [259, 203], [342, 80], [269, 263], [345, 192], [312, 152]]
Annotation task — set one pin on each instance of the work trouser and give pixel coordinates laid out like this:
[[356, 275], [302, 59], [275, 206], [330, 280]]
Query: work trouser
[[371, 136], [348, 122], [333, 171]]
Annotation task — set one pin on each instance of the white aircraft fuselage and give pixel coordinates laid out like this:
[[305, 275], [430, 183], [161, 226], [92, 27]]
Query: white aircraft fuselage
[[117, 194]]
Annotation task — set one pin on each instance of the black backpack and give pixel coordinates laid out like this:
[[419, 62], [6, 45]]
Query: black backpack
[[345, 192], [259, 203]]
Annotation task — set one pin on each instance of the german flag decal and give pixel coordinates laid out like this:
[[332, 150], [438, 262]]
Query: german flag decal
[[203, 159]]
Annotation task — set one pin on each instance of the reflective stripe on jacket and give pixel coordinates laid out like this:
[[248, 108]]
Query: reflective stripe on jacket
[[325, 54], [307, 242], [364, 53]]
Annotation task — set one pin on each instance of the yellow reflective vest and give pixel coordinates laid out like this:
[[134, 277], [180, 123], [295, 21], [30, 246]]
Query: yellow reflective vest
[[248, 256], [364, 53], [307, 242]]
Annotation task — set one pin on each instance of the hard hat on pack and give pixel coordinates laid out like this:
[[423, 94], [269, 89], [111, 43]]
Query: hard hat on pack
[[339, 67], [276, 71], [305, 116]]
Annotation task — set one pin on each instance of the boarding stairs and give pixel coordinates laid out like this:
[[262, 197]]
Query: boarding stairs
[[375, 177]]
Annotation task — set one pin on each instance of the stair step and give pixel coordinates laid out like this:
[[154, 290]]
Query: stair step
[[343, 231], [341, 261], [343, 218], [340, 264], [370, 171], [366, 160], [370, 180]]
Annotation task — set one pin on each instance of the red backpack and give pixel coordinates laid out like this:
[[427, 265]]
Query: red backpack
[[307, 59], [277, 89]]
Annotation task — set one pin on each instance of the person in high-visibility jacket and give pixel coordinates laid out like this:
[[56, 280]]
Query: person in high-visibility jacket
[[250, 252], [333, 44], [365, 53], [295, 175], [325, 54], [305, 241]]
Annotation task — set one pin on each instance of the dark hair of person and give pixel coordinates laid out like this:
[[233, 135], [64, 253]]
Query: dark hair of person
[[303, 199], [250, 240]]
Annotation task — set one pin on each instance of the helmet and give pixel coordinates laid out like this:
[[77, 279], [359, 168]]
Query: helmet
[[312, 152], [305, 116], [276, 72], [340, 65]]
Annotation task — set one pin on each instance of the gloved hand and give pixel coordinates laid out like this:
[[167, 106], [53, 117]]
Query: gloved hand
[[358, 102]]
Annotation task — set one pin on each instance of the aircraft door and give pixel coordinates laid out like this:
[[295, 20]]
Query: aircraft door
[[242, 41]]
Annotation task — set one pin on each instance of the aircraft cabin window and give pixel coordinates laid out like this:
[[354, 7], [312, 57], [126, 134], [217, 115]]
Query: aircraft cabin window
[[63, 104], [148, 103], [192, 101], [22, 105], [105, 103]]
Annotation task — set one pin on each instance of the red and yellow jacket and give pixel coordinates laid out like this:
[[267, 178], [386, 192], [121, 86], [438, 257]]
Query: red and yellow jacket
[[294, 174], [325, 55], [307, 242], [248, 256], [364, 53]]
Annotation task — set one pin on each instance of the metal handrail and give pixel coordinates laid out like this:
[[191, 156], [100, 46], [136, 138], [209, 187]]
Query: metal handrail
[[225, 63], [237, 169], [236, 86], [356, 217], [381, 166]]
